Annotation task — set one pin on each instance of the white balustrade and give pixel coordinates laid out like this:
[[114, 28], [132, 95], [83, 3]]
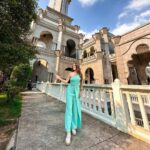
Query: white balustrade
[[138, 98], [125, 107], [89, 58]]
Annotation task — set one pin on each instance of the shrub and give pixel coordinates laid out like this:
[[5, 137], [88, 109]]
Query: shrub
[[11, 90], [21, 74]]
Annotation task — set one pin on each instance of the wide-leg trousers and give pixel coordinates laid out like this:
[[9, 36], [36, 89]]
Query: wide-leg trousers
[[72, 113]]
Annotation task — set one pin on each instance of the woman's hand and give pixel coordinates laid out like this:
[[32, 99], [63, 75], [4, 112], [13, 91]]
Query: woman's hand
[[57, 77]]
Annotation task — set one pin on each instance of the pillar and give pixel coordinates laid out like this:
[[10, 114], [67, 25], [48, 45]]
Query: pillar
[[58, 54], [121, 109], [108, 68], [97, 38], [60, 35]]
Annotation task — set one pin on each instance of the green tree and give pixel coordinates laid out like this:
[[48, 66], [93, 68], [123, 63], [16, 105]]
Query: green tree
[[21, 75], [15, 18], [18, 81]]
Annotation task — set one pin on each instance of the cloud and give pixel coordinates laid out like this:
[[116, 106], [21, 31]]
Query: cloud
[[134, 5], [138, 20], [133, 15], [88, 35], [88, 2], [123, 14], [137, 4], [143, 17], [123, 28]]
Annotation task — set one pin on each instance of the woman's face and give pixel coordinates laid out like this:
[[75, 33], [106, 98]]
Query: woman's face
[[74, 67]]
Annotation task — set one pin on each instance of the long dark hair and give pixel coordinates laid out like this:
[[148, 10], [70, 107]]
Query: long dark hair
[[78, 70]]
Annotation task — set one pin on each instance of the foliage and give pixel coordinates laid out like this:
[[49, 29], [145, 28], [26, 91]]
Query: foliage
[[11, 90], [14, 54], [18, 81], [21, 75], [16, 17], [10, 110]]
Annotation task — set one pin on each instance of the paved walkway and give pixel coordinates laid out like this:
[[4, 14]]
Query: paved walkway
[[41, 127]]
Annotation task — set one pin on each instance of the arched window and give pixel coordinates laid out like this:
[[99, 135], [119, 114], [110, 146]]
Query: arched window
[[92, 51], [70, 49], [142, 48], [89, 76], [84, 54], [46, 37], [40, 70]]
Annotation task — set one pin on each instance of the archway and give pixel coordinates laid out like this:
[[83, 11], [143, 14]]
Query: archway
[[40, 70], [89, 76], [45, 40], [70, 49], [84, 54], [92, 51], [138, 64]]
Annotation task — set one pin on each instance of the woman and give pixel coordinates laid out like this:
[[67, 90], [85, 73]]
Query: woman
[[73, 118]]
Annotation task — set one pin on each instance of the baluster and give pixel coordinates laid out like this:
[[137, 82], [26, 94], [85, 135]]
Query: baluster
[[131, 111], [143, 112], [90, 100], [112, 104], [87, 97], [105, 103], [83, 98], [99, 100], [94, 99], [102, 100]]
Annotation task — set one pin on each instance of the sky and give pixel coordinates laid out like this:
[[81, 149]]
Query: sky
[[119, 16]]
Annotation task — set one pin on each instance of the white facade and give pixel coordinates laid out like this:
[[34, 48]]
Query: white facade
[[55, 37]]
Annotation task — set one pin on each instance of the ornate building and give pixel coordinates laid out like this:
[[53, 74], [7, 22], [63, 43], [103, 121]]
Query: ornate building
[[103, 58], [97, 67], [57, 41], [60, 45], [132, 52]]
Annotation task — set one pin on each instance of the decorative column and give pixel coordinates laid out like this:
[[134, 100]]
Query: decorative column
[[60, 35], [108, 74], [58, 54], [81, 36], [80, 51], [97, 38]]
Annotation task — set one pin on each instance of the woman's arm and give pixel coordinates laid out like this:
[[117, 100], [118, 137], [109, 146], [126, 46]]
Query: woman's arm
[[64, 81]]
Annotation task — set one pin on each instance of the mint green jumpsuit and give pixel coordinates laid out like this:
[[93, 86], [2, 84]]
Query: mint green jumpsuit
[[73, 117]]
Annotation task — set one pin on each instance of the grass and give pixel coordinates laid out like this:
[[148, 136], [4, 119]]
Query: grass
[[11, 110]]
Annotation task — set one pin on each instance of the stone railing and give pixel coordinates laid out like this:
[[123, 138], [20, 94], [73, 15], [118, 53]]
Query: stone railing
[[124, 107], [138, 104], [90, 58], [68, 59], [44, 51]]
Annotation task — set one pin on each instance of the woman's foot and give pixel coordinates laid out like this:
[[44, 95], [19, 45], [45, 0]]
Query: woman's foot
[[74, 132], [68, 138]]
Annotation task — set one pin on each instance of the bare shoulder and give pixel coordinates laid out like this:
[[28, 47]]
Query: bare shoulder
[[70, 74]]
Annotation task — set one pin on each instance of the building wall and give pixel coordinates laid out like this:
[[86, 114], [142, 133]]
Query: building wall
[[97, 68], [101, 65], [126, 47]]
